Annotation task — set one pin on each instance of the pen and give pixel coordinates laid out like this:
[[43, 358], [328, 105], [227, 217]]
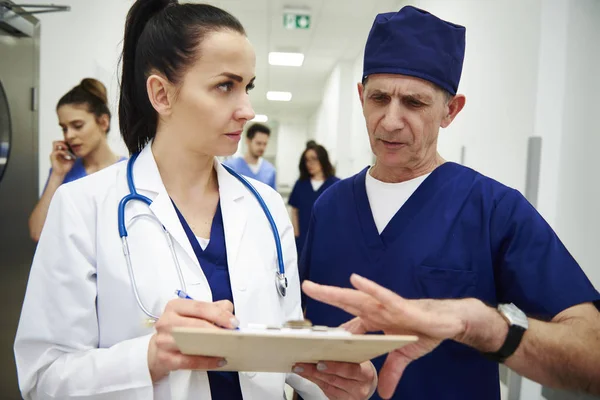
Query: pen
[[183, 295]]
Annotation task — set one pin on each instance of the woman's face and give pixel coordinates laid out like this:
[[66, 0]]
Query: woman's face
[[312, 162], [212, 104], [81, 129]]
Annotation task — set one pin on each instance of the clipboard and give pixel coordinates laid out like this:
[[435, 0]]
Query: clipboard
[[264, 350]]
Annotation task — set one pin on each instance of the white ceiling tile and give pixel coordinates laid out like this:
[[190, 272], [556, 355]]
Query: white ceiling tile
[[339, 30]]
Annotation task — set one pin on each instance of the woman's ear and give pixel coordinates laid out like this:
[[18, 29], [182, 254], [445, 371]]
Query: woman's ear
[[104, 122], [158, 89]]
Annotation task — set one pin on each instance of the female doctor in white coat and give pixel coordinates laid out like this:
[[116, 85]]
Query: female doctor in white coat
[[187, 70]]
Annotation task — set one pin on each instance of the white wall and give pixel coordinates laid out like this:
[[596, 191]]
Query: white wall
[[84, 42], [578, 197], [292, 136], [550, 101], [338, 124], [323, 125], [361, 153]]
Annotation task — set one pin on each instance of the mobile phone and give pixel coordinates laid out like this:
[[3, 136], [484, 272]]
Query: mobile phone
[[70, 152]]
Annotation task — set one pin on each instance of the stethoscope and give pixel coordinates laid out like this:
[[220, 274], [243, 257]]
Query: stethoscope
[[280, 279]]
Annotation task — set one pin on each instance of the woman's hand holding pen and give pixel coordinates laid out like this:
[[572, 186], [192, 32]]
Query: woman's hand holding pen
[[163, 354]]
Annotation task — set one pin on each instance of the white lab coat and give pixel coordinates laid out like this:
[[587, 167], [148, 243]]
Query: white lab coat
[[82, 334]]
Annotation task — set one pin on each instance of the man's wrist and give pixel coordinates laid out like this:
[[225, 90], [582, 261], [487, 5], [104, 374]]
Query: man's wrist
[[486, 329]]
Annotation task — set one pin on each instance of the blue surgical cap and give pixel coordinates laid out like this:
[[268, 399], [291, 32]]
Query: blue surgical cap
[[416, 43]]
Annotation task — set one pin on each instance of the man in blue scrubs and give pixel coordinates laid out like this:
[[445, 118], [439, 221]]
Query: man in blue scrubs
[[253, 164], [428, 230]]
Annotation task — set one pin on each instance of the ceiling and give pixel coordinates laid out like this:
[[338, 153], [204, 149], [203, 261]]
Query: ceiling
[[338, 31]]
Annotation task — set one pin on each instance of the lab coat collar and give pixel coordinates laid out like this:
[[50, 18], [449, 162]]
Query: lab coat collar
[[232, 194], [147, 177]]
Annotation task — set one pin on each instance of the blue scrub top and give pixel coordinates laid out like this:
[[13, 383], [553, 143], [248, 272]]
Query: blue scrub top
[[459, 235], [303, 198], [266, 174], [213, 261]]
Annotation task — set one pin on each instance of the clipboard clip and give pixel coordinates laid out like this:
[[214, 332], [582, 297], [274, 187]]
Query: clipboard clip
[[300, 326]]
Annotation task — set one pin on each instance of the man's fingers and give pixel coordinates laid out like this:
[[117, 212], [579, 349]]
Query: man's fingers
[[383, 295], [390, 374], [355, 326], [349, 300]]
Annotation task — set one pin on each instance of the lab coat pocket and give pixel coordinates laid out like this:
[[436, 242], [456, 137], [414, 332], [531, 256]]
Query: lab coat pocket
[[445, 283]]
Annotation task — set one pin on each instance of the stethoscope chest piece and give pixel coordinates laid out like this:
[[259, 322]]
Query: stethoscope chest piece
[[282, 284]]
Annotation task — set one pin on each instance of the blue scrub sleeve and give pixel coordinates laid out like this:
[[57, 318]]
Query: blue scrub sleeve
[[273, 182], [305, 257], [534, 270], [293, 200]]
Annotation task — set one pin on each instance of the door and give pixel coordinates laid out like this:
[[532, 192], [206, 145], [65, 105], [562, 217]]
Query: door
[[19, 77]]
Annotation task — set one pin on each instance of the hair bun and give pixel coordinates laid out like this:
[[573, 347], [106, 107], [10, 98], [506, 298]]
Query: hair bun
[[310, 144], [95, 88]]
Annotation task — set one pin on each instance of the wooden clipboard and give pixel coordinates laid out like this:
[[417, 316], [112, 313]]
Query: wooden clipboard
[[257, 351]]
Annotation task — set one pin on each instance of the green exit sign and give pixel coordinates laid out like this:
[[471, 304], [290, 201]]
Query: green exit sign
[[296, 21]]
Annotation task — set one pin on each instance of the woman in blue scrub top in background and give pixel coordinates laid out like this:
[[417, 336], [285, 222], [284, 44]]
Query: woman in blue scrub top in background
[[316, 175], [84, 118]]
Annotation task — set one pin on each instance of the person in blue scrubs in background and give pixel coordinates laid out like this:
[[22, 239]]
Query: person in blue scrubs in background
[[453, 247], [84, 118], [316, 175], [253, 164]]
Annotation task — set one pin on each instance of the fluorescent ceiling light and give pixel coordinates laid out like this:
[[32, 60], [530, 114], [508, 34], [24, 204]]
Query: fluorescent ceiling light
[[279, 96], [286, 59], [260, 118]]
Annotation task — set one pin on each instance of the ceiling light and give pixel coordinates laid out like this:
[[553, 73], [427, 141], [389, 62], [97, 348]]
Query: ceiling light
[[279, 96], [260, 118], [286, 59]]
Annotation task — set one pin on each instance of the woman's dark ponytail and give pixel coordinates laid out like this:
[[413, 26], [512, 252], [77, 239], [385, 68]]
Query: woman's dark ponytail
[[137, 118], [163, 37]]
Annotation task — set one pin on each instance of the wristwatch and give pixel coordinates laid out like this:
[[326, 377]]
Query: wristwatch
[[517, 325]]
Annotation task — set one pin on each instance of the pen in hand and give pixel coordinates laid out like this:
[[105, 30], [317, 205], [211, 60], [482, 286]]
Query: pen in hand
[[183, 295]]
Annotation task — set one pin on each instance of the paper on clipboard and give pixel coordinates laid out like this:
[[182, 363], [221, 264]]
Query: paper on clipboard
[[267, 351]]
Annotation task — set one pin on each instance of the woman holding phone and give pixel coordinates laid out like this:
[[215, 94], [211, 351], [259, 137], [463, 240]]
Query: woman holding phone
[[84, 118]]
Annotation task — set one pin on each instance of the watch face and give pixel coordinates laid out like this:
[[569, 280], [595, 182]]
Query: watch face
[[514, 315]]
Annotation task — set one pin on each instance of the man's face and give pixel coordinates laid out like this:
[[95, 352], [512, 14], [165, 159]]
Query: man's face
[[403, 116], [258, 144]]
